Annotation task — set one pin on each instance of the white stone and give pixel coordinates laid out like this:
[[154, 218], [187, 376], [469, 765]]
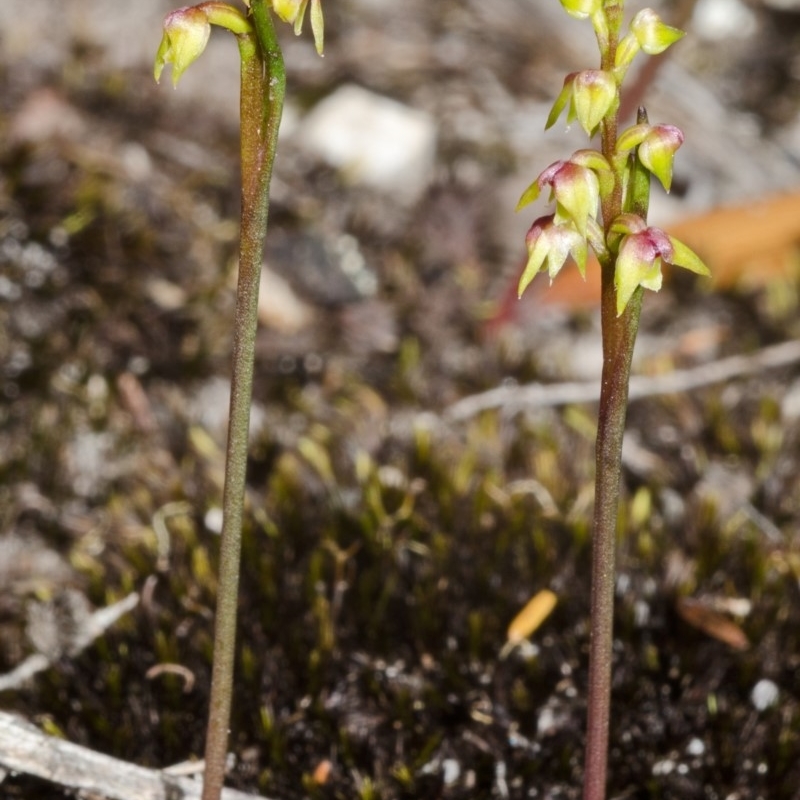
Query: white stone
[[765, 694], [716, 20], [213, 520], [373, 141], [790, 404], [279, 307], [548, 722], [209, 406], [663, 767], [451, 771], [696, 747]]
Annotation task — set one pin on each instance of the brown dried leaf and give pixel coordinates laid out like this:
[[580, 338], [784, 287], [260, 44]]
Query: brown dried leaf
[[705, 618]]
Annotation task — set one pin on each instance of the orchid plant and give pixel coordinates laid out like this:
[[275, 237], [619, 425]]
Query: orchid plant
[[263, 82], [601, 202]]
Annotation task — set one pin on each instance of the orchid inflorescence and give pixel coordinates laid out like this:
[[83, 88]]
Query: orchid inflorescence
[[602, 202], [581, 185]]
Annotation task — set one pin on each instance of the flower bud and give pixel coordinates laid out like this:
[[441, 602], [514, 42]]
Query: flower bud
[[186, 32], [549, 245], [582, 9], [574, 185], [657, 152], [641, 253], [594, 94], [653, 35], [639, 264], [591, 95], [656, 148], [627, 50]]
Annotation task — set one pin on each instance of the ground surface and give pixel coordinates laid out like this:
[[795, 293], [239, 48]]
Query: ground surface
[[388, 545]]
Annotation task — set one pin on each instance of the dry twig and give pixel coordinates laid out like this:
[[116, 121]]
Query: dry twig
[[512, 399], [25, 749]]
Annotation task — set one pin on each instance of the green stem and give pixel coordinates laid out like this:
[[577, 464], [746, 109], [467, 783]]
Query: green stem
[[263, 81]]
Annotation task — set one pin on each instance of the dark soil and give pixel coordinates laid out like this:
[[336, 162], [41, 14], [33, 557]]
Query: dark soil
[[387, 547]]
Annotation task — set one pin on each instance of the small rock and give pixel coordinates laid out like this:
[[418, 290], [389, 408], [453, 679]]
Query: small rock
[[166, 295], [327, 271], [790, 403], [209, 409], [546, 721], [44, 115], [451, 771], [715, 20], [664, 767], [696, 747], [373, 141], [764, 695], [279, 307], [213, 520], [87, 460]]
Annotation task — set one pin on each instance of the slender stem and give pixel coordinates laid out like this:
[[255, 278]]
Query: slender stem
[[619, 337], [262, 92], [611, 425]]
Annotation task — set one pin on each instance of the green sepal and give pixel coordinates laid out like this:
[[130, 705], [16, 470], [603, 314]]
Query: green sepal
[[560, 102], [684, 256], [529, 195]]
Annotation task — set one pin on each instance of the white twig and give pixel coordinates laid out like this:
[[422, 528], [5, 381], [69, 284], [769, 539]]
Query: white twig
[[539, 395], [25, 749], [24, 671]]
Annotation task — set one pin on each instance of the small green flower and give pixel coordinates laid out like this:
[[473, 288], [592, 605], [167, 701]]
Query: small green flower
[[595, 94], [294, 11], [549, 245], [653, 35], [641, 253], [574, 185], [591, 95], [657, 151], [657, 145], [186, 33], [647, 32]]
